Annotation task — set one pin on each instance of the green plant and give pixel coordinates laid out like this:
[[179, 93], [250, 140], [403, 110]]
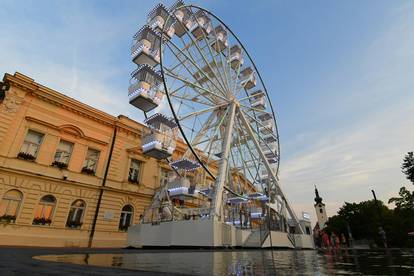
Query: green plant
[[26, 156], [74, 224], [88, 171], [8, 218], [60, 165], [133, 180], [123, 228], [42, 221]]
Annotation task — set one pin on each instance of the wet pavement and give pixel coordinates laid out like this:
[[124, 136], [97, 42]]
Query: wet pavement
[[24, 261]]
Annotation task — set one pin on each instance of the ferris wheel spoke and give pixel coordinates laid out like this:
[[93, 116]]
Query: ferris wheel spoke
[[215, 62], [199, 112], [244, 133], [251, 96], [244, 162], [214, 58], [215, 132], [192, 100], [201, 52], [193, 62], [194, 85]]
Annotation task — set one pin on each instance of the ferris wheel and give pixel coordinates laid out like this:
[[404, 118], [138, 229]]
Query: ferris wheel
[[192, 66]]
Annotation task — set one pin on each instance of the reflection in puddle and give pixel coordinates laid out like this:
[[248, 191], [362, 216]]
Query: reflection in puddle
[[251, 262]]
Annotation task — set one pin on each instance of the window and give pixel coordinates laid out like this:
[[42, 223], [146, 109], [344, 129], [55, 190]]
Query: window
[[134, 171], [76, 212], [44, 210], [31, 145], [63, 153], [10, 205], [126, 217], [320, 210], [91, 161]]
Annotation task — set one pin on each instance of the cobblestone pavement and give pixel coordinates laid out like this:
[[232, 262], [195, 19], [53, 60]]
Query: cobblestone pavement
[[19, 261]]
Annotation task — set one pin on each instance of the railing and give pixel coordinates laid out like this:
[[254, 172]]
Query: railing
[[291, 237], [166, 141], [168, 212], [264, 230]]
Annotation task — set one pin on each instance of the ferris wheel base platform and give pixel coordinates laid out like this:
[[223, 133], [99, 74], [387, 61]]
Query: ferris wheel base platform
[[210, 233]]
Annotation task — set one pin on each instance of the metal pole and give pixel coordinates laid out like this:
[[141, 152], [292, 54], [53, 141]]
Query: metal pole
[[101, 191], [221, 179], [383, 234]]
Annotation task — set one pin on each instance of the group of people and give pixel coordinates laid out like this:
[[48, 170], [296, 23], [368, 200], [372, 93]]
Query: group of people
[[332, 241]]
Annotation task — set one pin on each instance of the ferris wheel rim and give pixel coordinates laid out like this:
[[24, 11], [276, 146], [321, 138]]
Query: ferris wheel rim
[[170, 103]]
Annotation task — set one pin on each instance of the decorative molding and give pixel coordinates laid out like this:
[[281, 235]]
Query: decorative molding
[[67, 128], [11, 102]]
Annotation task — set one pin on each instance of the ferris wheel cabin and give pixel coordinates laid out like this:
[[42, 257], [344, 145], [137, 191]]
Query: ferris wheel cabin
[[157, 19], [202, 27], [236, 57], [146, 47], [183, 18], [220, 41], [258, 99], [248, 78], [159, 142], [144, 91]]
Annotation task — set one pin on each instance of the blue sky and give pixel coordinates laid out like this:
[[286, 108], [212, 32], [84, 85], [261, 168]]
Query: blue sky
[[340, 75]]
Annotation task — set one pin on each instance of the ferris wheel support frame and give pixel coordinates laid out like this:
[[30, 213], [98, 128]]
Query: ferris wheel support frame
[[272, 174], [216, 207]]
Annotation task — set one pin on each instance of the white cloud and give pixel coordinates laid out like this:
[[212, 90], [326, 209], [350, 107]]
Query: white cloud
[[348, 160]]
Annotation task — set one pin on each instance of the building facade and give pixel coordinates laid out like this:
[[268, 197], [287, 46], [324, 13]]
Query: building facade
[[71, 175]]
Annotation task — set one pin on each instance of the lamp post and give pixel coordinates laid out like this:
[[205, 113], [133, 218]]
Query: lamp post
[[381, 228]]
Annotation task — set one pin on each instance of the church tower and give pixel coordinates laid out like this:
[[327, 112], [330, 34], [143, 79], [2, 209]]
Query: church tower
[[320, 210]]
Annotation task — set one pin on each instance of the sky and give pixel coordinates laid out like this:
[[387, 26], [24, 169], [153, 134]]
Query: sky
[[340, 76]]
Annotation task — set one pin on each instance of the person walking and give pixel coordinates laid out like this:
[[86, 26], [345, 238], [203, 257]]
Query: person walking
[[325, 240], [343, 240]]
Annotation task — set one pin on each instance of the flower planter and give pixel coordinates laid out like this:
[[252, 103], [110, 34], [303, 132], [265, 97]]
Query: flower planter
[[74, 225], [26, 156], [41, 221], [60, 165], [88, 171], [8, 219]]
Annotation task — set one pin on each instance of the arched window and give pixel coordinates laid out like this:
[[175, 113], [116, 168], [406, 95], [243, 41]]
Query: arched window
[[10, 205], [44, 210], [125, 220], [75, 217]]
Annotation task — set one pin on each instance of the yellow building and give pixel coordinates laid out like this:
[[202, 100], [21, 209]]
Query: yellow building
[[60, 159]]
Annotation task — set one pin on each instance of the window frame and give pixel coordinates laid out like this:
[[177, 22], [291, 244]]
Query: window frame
[[9, 200], [140, 169], [85, 167], [27, 142], [123, 216], [70, 153], [43, 220], [72, 218]]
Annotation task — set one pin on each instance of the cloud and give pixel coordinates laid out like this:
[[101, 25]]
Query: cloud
[[347, 160]]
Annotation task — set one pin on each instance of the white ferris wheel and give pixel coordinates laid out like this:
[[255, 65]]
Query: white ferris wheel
[[194, 68]]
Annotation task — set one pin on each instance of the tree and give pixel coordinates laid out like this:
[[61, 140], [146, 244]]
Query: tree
[[408, 166], [405, 201]]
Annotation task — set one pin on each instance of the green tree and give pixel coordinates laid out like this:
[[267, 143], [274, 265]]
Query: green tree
[[405, 201], [408, 166]]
